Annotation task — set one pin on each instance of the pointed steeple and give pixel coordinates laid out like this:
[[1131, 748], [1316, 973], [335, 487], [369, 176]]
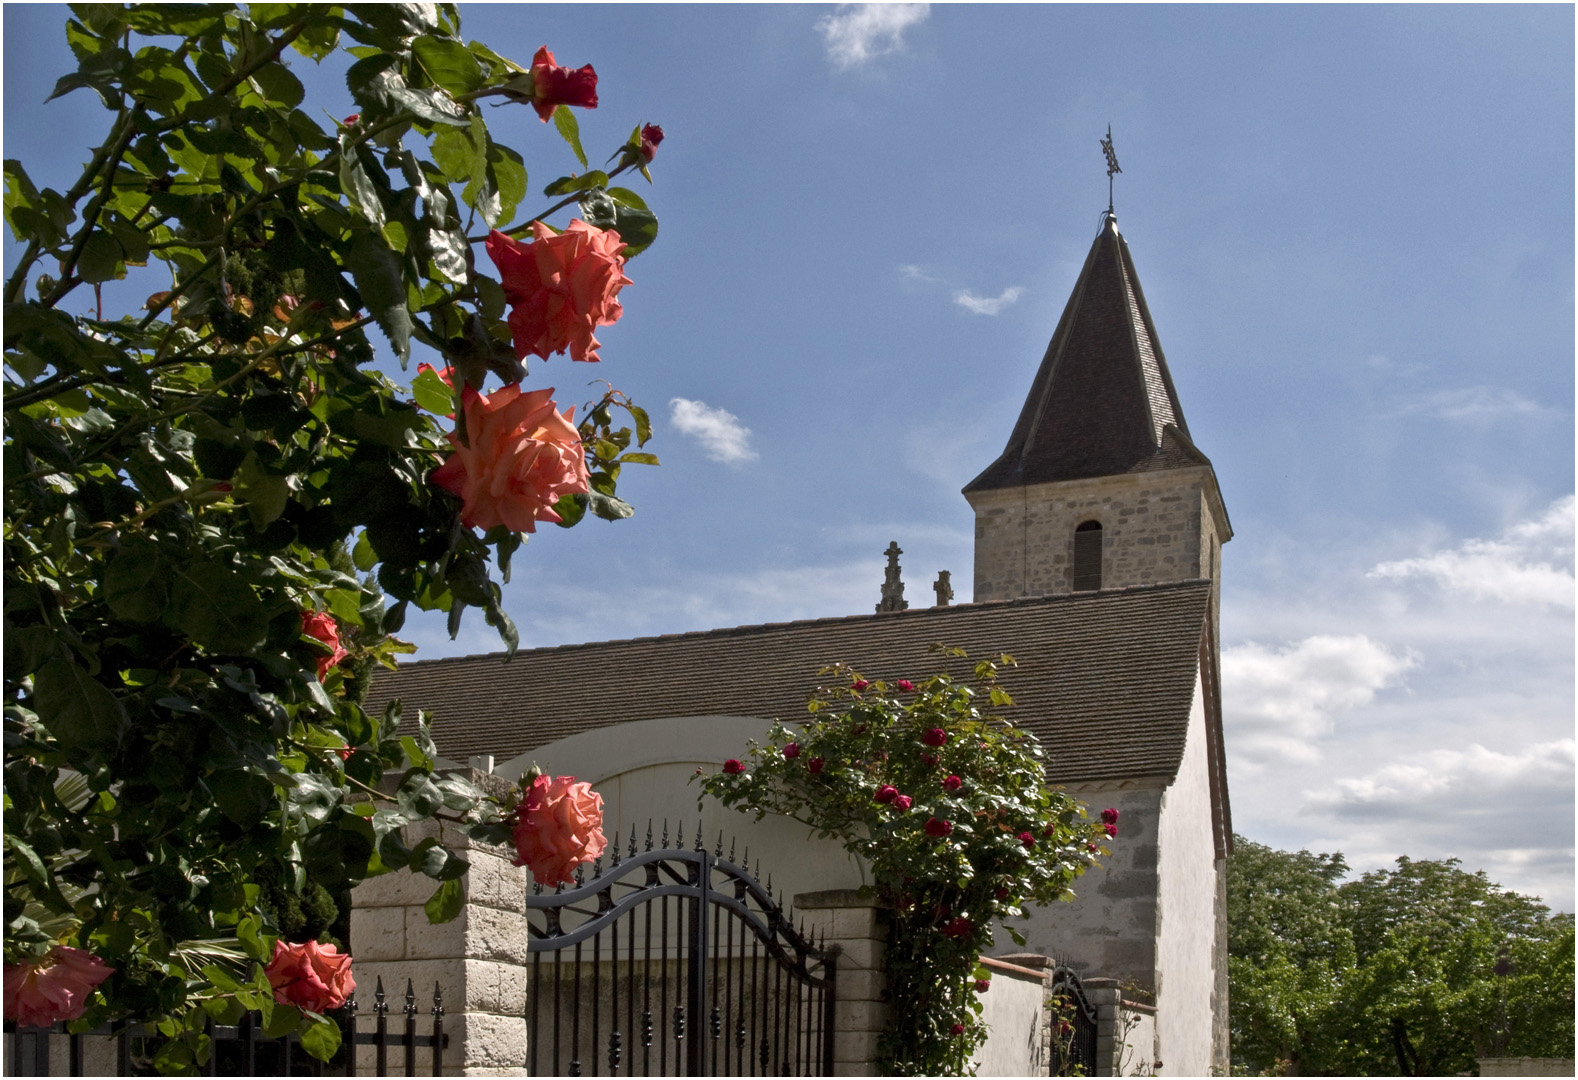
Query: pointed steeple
[[1102, 402]]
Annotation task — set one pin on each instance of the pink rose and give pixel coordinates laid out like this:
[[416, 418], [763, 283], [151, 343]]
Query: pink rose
[[558, 825], [1027, 839], [958, 928], [902, 803], [311, 976], [733, 767], [561, 287], [952, 783], [886, 793], [522, 458], [905, 685], [1109, 816], [860, 684], [792, 751], [938, 827], [934, 736], [651, 136], [553, 85], [321, 625], [54, 987], [814, 766], [1112, 830]]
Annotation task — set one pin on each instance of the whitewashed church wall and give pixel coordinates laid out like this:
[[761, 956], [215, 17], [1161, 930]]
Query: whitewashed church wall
[[644, 770], [1186, 922]]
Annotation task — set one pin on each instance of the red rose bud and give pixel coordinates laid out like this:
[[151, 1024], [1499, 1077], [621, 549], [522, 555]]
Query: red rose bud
[[934, 736], [982, 985], [886, 793], [937, 827], [957, 1029], [1109, 816], [953, 783], [1064, 1027], [733, 767], [815, 765], [902, 803], [553, 85], [905, 685], [345, 752], [1091, 846], [1112, 830], [792, 751], [958, 928], [351, 120], [651, 135], [928, 760], [1027, 839], [860, 684], [1002, 892]]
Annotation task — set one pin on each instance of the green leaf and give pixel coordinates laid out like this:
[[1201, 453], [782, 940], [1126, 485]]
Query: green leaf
[[321, 1038], [570, 129], [265, 494], [26, 649], [448, 63], [357, 184], [571, 509], [133, 586], [313, 798], [566, 184], [278, 86], [212, 604], [380, 279], [638, 459], [447, 900], [433, 394], [456, 151], [286, 1019], [610, 508], [78, 710], [626, 197], [101, 259]]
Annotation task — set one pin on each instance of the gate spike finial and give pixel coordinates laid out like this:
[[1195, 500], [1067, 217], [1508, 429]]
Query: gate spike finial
[[700, 844], [613, 850], [597, 869], [410, 998], [679, 835], [664, 843], [380, 1005], [632, 852], [438, 999], [732, 841], [718, 851], [580, 874]]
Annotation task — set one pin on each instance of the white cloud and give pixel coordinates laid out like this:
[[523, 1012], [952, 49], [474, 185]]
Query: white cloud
[[1532, 562], [1474, 404], [911, 272], [1278, 701], [987, 305], [856, 33], [720, 432], [1444, 780]]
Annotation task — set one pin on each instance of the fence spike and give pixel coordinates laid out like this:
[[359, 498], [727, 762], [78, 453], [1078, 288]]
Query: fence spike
[[700, 845], [380, 1004], [438, 999], [718, 851], [580, 874], [536, 888], [679, 835], [410, 998], [613, 851], [664, 842], [649, 835], [632, 853], [732, 841], [597, 869]]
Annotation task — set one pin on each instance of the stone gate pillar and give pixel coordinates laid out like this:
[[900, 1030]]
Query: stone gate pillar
[[849, 921]]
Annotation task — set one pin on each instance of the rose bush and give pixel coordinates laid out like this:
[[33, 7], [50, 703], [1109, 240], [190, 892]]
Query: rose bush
[[558, 826], [222, 500], [310, 976], [949, 808]]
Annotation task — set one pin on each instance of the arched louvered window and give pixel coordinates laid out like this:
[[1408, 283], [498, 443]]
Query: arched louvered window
[[1087, 557]]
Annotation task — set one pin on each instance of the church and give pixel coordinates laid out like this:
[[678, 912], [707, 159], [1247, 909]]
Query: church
[[1098, 535]]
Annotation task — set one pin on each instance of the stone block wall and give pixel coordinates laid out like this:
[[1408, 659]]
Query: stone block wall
[[850, 923], [1156, 527]]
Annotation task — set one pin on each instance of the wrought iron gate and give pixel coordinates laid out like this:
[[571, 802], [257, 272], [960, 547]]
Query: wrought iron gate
[[1073, 1026], [674, 962]]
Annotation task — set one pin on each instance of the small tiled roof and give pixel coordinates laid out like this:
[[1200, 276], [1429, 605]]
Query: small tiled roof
[[1102, 402], [1105, 680]]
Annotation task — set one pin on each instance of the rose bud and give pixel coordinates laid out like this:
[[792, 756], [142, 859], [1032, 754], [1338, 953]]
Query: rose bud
[[934, 736], [1027, 839], [1091, 846], [982, 985], [651, 136], [905, 685], [1112, 830], [733, 767], [957, 1029], [553, 85], [792, 751], [859, 684]]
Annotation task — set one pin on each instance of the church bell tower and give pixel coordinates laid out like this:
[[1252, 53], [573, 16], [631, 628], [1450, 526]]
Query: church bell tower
[[1100, 486]]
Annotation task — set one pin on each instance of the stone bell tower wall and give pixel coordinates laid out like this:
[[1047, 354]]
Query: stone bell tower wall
[[1156, 527]]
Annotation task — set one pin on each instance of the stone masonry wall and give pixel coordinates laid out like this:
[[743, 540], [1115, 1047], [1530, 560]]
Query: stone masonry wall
[[848, 921], [1155, 529]]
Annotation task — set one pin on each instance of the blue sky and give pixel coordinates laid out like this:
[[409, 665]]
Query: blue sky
[[1354, 227]]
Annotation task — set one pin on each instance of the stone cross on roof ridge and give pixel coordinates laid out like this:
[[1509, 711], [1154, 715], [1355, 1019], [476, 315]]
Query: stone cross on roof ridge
[[893, 585]]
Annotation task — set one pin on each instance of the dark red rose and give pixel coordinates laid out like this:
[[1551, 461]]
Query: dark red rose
[[651, 136], [860, 684], [1002, 892], [958, 928], [815, 765], [1091, 846], [957, 1029], [886, 793], [934, 736], [351, 120], [938, 827], [1064, 1027], [1109, 816], [982, 985], [792, 751], [928, 760], [553, 85], [905, 685], [953, 783], [1112, 830], [902, 803], [1027, 839], [733, 767]]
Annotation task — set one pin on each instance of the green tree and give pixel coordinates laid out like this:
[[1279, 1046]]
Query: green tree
[[1417, 970], [218, 512]]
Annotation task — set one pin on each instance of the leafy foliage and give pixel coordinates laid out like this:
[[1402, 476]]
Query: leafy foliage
[[880, 766], [184, 482], [1413, 971]]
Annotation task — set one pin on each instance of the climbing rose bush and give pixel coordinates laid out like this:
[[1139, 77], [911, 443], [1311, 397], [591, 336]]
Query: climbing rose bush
[[520, 456], [561, 287], [54, 987], [558, 826], [948, 806], [310, 976]]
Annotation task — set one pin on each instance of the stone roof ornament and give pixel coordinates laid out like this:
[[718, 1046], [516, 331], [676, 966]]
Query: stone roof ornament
[[1112, 167], [943, 588], [893, 586]]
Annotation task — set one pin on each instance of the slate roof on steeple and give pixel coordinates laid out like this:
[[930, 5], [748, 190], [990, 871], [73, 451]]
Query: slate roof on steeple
[[1103, 401]]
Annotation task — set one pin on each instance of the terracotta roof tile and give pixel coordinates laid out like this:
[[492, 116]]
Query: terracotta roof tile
[[1105, 680]]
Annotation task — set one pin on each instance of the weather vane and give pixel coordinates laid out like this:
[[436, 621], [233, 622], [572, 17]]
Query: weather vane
[[1112, 164]]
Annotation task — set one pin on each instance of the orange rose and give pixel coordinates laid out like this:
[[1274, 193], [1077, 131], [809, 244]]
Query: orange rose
[[523, 455], [557, 825], [310, 976], [54, 987], [562, 287]]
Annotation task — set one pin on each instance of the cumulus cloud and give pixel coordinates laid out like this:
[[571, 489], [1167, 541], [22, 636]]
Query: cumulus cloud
[[722, 436], [856, 33], [1444, 780], [1531, 563], [987, 305], [1278, 701], [1474, 404]]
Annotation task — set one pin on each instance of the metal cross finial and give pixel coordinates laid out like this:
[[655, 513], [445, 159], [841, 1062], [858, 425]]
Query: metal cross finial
[[1112, 164]]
